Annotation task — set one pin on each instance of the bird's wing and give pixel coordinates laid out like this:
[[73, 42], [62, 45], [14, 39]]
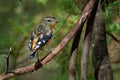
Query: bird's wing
[[38, 42]]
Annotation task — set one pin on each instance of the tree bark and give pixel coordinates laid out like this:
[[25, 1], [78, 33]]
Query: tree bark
[[73, 55], [100, 56], [72, 67], [87, 43]]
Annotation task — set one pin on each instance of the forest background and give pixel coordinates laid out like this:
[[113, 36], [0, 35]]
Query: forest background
[[19, 17]]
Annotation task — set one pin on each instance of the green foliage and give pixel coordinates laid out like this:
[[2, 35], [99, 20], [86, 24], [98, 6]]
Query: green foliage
[[6, 42], [20, 17], [42, 1], [69, 7], [3, 63], [115, 3], [111, 11], [115, 27]]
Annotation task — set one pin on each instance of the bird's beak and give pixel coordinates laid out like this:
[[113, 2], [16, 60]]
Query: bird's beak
[[53, 24]]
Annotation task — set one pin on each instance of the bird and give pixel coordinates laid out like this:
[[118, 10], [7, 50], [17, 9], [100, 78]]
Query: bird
[[42, 34]]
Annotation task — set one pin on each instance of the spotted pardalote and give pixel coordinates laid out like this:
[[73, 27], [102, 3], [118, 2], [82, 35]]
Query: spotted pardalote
[[41, 34]]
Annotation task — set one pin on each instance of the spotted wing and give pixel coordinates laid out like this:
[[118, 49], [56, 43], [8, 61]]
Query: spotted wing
[[39, 44]]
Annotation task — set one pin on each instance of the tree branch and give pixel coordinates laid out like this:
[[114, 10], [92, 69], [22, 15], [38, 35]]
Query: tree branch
[[114, 38], [20, 71], [7, 60]]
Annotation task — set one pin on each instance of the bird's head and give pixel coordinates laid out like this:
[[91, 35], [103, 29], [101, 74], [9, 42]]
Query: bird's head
[[49, 21]]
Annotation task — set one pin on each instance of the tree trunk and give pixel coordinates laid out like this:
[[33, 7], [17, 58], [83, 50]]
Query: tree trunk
[[100, 56]]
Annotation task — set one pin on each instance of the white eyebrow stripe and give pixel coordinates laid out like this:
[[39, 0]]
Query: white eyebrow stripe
[[47, 19]]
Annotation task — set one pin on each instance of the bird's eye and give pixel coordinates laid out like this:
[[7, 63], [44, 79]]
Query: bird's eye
[[49, 20]]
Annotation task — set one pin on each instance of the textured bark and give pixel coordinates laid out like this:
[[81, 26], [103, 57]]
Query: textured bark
[[100, 56], [84, 58], [86, 44], [73, 55], [72, 67]]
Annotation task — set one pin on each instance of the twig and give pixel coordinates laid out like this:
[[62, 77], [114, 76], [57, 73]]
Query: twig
[[114, 37], [20, 71], [7, 60]]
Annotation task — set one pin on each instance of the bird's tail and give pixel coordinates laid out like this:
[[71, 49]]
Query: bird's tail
[[32, 55]]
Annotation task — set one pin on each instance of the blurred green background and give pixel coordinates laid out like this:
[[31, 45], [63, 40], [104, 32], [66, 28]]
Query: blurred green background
[[19, 17]]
